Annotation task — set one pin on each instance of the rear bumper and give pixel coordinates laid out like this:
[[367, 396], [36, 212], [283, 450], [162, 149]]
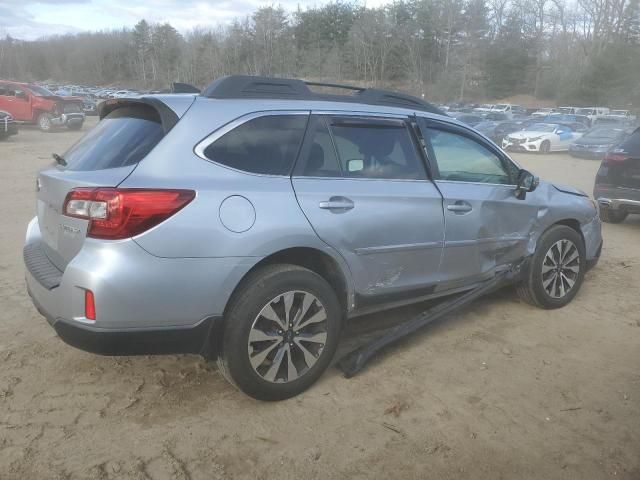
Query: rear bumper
[[196, 339], [618, 199], [587, 154], [144, 304]]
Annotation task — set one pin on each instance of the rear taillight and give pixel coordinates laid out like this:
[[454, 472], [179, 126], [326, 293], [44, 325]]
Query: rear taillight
[[615, 158], [116, 213]]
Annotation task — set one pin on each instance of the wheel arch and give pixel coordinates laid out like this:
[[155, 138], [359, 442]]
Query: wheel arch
[[317, 261], [571, 223], [37, 112]]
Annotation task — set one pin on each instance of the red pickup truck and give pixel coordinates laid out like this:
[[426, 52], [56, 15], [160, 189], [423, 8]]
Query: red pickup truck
[[28, 103]]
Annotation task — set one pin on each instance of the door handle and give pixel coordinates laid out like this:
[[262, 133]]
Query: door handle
[[337, 203], [460, 207]]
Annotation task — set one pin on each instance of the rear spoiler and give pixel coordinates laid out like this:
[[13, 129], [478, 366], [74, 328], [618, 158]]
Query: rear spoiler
[[177, 87], [168, 118]]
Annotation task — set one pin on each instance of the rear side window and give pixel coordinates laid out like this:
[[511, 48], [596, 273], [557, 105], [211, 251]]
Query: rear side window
[[376, 149], [265, 145], [122, 138]]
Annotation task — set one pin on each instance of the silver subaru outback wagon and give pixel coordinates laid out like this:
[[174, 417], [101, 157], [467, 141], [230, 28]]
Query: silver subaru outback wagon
[[248, 222]]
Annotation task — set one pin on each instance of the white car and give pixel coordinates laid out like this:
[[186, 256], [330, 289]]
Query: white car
[[122, 94], [623, 113], [541, 137], [542, 112], [483, 108], [593, 112]]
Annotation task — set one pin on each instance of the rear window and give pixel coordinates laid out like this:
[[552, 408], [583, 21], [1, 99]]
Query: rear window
[[122, 138], [265, 145]]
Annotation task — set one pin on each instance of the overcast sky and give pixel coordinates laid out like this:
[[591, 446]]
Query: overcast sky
[[31, 19]]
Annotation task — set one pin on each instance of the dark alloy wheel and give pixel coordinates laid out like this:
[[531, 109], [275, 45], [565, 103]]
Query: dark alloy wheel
[[280, 332], [44, 122], [556, 270]]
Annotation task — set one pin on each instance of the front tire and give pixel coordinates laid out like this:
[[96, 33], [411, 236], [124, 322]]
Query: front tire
[[556, 270], [612, 216], [282, 328], [545, 147]]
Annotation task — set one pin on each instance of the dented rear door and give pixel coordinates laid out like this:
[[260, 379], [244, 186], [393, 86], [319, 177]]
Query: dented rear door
[[362, 185]]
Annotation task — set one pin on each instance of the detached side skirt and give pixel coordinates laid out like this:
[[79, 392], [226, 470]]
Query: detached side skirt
[[355, 361]]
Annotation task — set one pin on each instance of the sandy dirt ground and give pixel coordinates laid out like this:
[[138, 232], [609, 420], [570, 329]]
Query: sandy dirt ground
[[499, 391]]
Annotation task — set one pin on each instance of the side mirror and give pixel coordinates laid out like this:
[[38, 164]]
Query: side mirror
[[21, 95], [355, 165], [527, 182]]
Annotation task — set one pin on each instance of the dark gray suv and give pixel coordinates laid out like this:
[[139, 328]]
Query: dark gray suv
[[248, 222]]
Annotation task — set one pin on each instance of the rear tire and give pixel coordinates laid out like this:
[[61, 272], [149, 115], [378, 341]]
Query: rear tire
[[44, 122], [555, 272], [292, 313], [612, 216]]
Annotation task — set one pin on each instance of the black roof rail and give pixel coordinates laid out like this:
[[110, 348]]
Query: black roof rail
[[246, 86]]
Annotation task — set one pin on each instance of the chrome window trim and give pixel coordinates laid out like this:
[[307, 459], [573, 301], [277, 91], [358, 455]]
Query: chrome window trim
[[415, 180], [202, 145], [507, 185], [358, 113]]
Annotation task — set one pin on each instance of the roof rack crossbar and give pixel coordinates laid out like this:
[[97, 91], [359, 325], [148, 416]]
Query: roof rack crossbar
[[251, 87]]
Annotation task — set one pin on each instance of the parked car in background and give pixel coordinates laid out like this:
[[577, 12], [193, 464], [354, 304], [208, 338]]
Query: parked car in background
[[567, 118], [496, 131], [300, 183], [103, 93], [497, 116], [518, 112], [577, 127], [617, 187], [541, 137], [597, 142], [624, 113], [542, 112], [467, 118], [89, 105], [565, 110], [505, 108], [28, 103], [484, 108], [592, 113], [622, 121], [7, 126], [123, 94]]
